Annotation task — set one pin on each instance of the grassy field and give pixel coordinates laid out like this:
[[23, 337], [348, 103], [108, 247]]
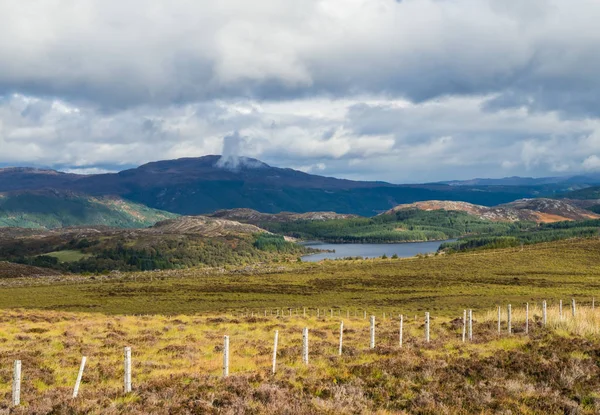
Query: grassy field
[[68, 255], [443, 285], [177, 365], [175, 321]]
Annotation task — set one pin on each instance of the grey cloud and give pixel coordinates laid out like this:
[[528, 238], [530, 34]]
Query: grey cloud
[[163, 53]]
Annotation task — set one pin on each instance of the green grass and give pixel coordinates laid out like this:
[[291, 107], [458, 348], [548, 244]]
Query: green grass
[[68, 255], [443, 284]]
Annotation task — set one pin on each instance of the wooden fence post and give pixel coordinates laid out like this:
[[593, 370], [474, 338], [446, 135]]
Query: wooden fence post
[[305, 345], [573, 306], [127, 371], [16, 386], [544, 313], [372, 332], [401, 327], [79, 376], [509, 319], [526, 318], [341, 336], [560, 315], [225, 356], [470, 325], [304, 312], [464, 331], [365, 316], [427, 327], [499, 321], [275, 351]]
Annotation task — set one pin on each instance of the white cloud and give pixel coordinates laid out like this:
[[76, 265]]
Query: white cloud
[[592, 163]]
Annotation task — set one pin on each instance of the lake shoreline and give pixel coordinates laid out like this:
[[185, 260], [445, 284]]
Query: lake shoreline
[[359, 250]]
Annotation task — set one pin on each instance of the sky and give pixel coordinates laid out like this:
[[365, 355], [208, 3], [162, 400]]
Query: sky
[[398, 90]]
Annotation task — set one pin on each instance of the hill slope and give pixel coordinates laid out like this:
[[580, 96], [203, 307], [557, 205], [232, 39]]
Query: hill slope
[[192, 186], [55, 209], [534, 210], [170, 244]]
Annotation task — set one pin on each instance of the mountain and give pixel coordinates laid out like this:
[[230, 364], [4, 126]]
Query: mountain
[[571, 182], [192, 186], [55, 209], [535, 210]]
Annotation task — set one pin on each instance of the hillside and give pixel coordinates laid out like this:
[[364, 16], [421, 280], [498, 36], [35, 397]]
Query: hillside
[[255, 217], [589, 193], [171, 244], [51, 209], [535, 210], [192, 186]]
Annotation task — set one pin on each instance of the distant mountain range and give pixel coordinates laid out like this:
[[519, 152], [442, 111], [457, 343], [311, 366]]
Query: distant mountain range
[[193, 186], [573, 181]]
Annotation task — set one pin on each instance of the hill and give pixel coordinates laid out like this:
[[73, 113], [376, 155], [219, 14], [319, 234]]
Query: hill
[[255, 217], [535, 210], [589, 193], [170, 244], [192, 186], [51, 209]]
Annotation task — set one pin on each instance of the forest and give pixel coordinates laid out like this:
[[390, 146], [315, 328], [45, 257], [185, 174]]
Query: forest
[[547, 232], [142, 252], [407, 225]]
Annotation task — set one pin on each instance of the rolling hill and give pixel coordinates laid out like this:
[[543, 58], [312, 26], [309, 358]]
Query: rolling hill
[[534, 210], [170, 244], [51, 209]]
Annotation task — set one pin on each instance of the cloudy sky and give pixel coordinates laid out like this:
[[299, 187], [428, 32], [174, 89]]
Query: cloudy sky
[[403, 91]]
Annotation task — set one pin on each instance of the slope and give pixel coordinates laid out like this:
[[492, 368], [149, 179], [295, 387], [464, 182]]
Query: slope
[[54, 209]]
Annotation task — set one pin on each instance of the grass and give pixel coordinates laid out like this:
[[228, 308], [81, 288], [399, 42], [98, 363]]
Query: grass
[[175, 322], [443, 285], [177, 365], [68, 255]]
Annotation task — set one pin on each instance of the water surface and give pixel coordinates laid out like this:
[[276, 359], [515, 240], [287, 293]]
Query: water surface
[[403, 250]]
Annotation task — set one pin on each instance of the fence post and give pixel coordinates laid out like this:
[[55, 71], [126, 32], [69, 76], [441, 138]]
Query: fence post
[[509, 319], [427, 327], [560, 315], [573, 306], [79, 376], [304, 312], [127, 363], [365, 316], [275, 344], [341, 336], [544, 313], [372, 331], [470, 325], [16, 386], [401, 327], [318, 313], [499, 321], [464, 331], [225, 356], [526, 318], [305, 345]]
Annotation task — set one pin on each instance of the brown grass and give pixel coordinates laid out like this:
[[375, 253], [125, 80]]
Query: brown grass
[[177, 365]]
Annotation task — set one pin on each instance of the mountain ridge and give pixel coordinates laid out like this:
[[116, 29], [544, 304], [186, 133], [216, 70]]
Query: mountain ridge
[[200, 185]]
